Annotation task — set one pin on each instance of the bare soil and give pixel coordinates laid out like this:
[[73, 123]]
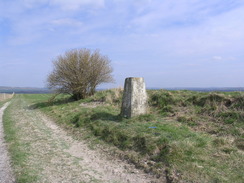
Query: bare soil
[[6, 175], [56, 157]]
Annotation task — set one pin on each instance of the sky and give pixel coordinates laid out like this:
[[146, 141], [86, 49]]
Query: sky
[[183, 43]]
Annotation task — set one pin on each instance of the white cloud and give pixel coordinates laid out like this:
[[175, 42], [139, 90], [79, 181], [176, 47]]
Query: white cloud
[[66, 22], [217, 58], [77, 4], [33, 3]]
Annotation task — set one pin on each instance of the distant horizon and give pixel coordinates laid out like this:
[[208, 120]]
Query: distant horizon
[[36, 90], [33, 87]]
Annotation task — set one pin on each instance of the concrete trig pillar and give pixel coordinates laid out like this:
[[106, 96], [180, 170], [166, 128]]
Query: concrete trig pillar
[[134, 97]]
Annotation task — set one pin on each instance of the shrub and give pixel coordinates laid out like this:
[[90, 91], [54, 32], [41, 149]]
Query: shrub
[[78, 72]]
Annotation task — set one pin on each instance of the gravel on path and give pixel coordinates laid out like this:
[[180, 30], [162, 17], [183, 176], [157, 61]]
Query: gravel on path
[[6, 174]]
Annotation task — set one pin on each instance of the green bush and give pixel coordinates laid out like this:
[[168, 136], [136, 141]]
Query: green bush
[[161, 99], [213, 99]]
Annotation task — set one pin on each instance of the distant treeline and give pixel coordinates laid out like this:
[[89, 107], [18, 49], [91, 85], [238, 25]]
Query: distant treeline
[[27, 90], [217, 89]]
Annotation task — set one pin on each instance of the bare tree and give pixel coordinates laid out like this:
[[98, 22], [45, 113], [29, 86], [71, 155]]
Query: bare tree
[[78, 72]]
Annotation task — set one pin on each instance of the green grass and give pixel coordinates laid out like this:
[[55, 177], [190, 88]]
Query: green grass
[[195, 137], [18, 155]]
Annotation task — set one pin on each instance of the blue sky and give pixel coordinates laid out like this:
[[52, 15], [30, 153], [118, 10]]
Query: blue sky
[[183, 43]]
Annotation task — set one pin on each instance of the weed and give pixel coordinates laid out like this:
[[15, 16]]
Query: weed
[[146, 117], [239, 142], [218, 142], [189, 120]]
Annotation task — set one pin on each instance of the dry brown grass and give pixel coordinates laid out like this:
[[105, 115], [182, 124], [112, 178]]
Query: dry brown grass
[[5, 96]]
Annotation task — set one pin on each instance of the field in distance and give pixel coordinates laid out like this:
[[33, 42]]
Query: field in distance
[[23, 90]]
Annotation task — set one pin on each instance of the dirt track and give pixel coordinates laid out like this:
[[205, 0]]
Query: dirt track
[[57, 157], [6, 175]]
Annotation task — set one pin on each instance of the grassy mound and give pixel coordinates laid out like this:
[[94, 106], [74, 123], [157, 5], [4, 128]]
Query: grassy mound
[[187, 136]]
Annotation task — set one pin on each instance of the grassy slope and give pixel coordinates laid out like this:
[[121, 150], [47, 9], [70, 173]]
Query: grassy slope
[[190, 136]]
